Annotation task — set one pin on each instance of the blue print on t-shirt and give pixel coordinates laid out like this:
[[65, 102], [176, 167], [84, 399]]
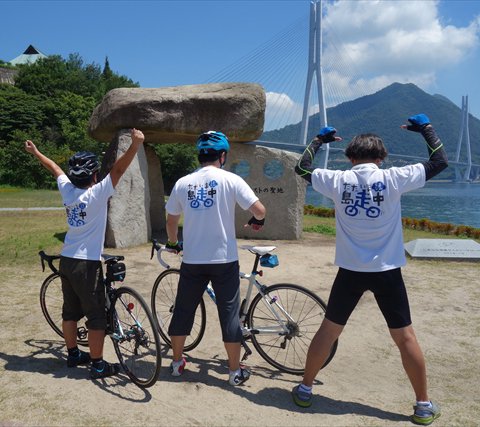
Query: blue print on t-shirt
[[76, 215], [360, 198], [202, 195]]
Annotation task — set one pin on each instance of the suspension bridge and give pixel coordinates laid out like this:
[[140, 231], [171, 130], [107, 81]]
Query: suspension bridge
[[301, 81]]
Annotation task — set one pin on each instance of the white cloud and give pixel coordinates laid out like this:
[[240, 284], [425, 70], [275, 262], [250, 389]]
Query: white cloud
[[389, 41], [281, 110]]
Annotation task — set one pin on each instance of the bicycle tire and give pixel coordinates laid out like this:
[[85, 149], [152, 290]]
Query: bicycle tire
[[163, 297], [130, 311], [51, 302], [288, 353]]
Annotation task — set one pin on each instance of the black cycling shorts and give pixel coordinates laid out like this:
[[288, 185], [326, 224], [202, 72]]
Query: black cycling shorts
[[387, 287], [83, 292], [193, 281]]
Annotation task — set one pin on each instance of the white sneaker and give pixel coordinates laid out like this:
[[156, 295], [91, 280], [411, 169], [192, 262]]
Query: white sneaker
[[177, 368], [236, 378]]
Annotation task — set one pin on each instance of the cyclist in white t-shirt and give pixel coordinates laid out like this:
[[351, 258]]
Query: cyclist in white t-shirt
[[207, 199], [369, 248], [86, 201]]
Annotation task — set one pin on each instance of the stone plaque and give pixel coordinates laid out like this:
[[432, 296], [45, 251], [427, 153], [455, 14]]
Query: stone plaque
[[453, 249]]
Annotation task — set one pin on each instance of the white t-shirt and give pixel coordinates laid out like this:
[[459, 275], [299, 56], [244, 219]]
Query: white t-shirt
[[207, 198], [86, 217], [368, 213]]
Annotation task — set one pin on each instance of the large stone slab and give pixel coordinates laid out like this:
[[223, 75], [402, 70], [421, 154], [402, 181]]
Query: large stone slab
[[128, 219], [448, 249], [270, 173], [181, 113]]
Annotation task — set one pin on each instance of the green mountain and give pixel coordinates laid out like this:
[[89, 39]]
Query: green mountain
[[382, 113]]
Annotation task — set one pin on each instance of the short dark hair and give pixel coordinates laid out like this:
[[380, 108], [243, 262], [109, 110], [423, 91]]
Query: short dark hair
[[210, 156], [367, 146]]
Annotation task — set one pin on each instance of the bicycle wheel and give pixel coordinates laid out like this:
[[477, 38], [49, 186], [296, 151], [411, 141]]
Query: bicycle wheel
[[164, 293], [301, 311], [51, 301], [135, 338]]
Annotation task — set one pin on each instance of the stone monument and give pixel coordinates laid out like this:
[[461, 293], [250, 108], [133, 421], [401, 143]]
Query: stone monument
[[178, 115]]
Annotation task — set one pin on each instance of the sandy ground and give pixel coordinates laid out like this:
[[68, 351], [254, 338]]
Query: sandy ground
[[364, 385]]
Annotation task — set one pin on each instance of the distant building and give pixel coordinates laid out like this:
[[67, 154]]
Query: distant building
[[30, 56]]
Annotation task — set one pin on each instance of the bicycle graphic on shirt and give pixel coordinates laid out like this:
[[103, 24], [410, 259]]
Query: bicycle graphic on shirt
[[202, 195], [363, 200]]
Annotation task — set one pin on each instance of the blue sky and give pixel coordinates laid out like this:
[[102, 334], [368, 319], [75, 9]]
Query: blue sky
[[434, 44]]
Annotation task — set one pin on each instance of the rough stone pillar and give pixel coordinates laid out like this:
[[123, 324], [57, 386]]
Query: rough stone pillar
[[128, 220], [270, 173]]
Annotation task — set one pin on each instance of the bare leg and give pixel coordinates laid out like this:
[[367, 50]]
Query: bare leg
[[319, 349], [412, 360], [233, 353], [69, 328], [96, 339], [178, 343]]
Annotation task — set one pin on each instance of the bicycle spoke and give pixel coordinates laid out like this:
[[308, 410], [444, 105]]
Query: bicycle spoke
[[299, 311], [164, 293], [135, 338]]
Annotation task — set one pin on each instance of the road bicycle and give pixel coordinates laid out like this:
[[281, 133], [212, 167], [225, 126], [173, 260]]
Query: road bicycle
[[280, 320], [130, 323]]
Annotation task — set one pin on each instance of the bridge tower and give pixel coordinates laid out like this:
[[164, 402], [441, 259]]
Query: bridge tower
[[315, 69], [464, 133]]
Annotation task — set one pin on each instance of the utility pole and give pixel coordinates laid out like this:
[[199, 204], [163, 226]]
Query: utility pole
[[315, 68]]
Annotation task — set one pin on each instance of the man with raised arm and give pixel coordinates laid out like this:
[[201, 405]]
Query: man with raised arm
[[369, 248], [86, 200], [207, 199]]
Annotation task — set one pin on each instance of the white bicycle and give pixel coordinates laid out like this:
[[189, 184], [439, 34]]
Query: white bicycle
[[280, 320]]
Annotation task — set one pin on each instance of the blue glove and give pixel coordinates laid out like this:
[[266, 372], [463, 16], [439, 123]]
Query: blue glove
[[418, 122], [327, 134]]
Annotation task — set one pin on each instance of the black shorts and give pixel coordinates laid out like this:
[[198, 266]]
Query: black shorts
[[83, 292], [193, 281], [387, 287]]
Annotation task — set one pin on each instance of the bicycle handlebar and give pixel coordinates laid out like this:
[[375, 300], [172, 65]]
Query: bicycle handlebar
[[49, 259], [160, 249]]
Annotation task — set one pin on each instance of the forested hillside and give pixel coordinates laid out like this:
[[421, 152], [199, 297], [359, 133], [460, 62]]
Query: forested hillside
[[51, 103], [383, 112]]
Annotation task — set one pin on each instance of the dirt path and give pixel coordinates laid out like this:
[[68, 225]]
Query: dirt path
[[363, 386]]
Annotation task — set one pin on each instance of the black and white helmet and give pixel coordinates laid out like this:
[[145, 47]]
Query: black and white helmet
[[81, 167]]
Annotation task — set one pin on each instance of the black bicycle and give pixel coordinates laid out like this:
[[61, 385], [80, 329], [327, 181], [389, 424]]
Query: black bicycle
[[130, 323]]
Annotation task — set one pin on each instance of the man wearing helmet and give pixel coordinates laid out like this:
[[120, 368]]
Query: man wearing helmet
[[86, 200], [207, 199]]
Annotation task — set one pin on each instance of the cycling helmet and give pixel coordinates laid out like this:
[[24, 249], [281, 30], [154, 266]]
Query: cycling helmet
[[81, 167], [212, 140]]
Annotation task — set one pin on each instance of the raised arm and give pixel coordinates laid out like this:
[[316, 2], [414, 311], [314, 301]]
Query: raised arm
[[304, 167], [437, 161], [44, 160], [122, 163]]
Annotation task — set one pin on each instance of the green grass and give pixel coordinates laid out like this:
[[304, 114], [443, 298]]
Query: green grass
[[11, 197]]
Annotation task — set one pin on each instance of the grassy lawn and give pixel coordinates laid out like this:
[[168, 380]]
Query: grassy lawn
[[11, 197]]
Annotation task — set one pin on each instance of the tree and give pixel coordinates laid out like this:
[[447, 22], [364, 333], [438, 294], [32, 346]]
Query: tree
[[177, 160]]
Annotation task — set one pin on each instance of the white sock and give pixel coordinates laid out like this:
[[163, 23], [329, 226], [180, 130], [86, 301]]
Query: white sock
[[428, 404], [237, 372]]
